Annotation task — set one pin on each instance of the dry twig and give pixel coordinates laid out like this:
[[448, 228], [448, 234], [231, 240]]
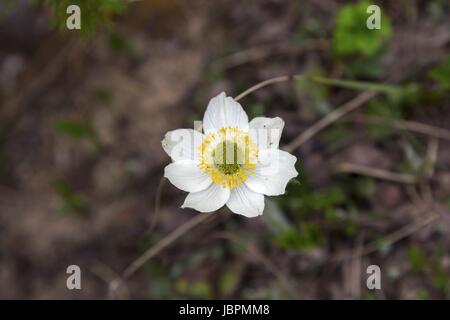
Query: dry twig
[[376, 173], [413, 126], [157, 208], [252, 249], [390, 239], [333, 116]]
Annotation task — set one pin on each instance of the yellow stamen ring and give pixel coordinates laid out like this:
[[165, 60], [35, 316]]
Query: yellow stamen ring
[[229, 155]]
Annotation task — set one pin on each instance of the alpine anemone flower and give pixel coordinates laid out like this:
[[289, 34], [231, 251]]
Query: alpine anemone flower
[[234, 162]]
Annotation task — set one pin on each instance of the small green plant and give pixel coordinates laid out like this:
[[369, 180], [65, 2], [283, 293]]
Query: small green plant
[[351, 35], [441, 74], [416, 258], [73, 129], [306, 236]]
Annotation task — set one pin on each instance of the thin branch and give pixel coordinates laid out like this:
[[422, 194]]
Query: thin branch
[[432, 154], [392, 238], [258, 53], [109, 276], [163, 243], [266, 83], [134, 266], [355, 267], [333, 116], [401, 233], [252, 249], [157, 208], [347, 167], [413, 126]]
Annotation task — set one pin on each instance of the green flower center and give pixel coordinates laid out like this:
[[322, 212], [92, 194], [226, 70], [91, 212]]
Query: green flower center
[[228, 158]]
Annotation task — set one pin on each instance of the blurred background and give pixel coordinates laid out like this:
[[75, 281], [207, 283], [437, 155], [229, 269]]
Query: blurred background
[[83, 113]]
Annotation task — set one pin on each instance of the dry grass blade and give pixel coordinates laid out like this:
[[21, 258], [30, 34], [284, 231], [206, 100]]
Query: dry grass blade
[[252, 249], [412, 126], [391, 238], [157, 209], [346, 167], [264, 84], [351, 105], [163, 243]]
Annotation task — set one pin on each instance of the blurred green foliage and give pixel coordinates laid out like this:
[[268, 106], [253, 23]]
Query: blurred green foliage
[[229, 280], [416, 257], [256, 110], [413, 161], [431, 265], [310, 29], [6, 6], [103, 96], [320, 200], [120, 45], [82, 130], [313, 96], [71, 202], [438, 9], [73, 129], [306, 236], [423, 294], [351, 35], [441, 74]]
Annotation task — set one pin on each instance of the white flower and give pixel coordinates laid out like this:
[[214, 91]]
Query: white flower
[[235, 162]]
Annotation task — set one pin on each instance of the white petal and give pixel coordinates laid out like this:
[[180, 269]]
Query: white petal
[[274, 170], [187, 176], [246, 202], [223, 111], [207, 200], [266, 132], [181, 144]]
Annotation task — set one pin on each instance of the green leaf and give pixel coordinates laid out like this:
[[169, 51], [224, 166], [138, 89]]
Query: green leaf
[[307, 236], [441, 74], [351, 34], [73, 129], [416, 258]]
